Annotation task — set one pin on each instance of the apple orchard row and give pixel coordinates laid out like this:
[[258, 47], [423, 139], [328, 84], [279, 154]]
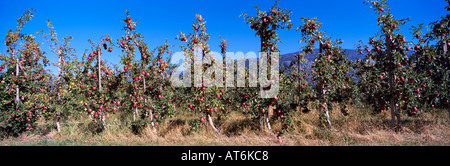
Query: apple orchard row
[[386, 79]]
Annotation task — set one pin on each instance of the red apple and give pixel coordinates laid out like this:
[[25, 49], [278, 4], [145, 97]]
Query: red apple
[[377, 49], [416, 47]]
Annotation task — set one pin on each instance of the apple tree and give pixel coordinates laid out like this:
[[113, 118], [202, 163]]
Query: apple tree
[[388, 59], [435, 65], [266, 24], [61, 100], [145, 82], [96, 76], [330, 69], [205, 87], [24, 79]]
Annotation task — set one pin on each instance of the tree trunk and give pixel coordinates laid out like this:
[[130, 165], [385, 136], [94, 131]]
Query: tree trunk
[[153, 126], [17, 87], [211, 123], [321, 101], [103, 121], [394, 111], [261, 122], [150, 114], [445, 53], [224, 72], [100, 81], [99, 71], [321, 92], [58, 79], [298, 79], [150, 111], [267, 122], [328, 118], [58, 127]]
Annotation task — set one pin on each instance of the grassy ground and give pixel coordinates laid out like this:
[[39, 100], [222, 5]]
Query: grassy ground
[[361, 128]]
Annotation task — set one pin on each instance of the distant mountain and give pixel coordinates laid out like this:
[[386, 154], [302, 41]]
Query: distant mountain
[[286, 59]]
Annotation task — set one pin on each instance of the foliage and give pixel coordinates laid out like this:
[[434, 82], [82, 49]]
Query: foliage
[[404, 76]]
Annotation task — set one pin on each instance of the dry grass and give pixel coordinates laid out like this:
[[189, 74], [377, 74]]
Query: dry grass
[[360, 128]]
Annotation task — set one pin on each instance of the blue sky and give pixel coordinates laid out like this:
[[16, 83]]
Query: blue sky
[[349, 20]]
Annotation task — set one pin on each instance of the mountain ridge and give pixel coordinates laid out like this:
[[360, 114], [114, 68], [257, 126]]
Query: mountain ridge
[[352, 55]]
